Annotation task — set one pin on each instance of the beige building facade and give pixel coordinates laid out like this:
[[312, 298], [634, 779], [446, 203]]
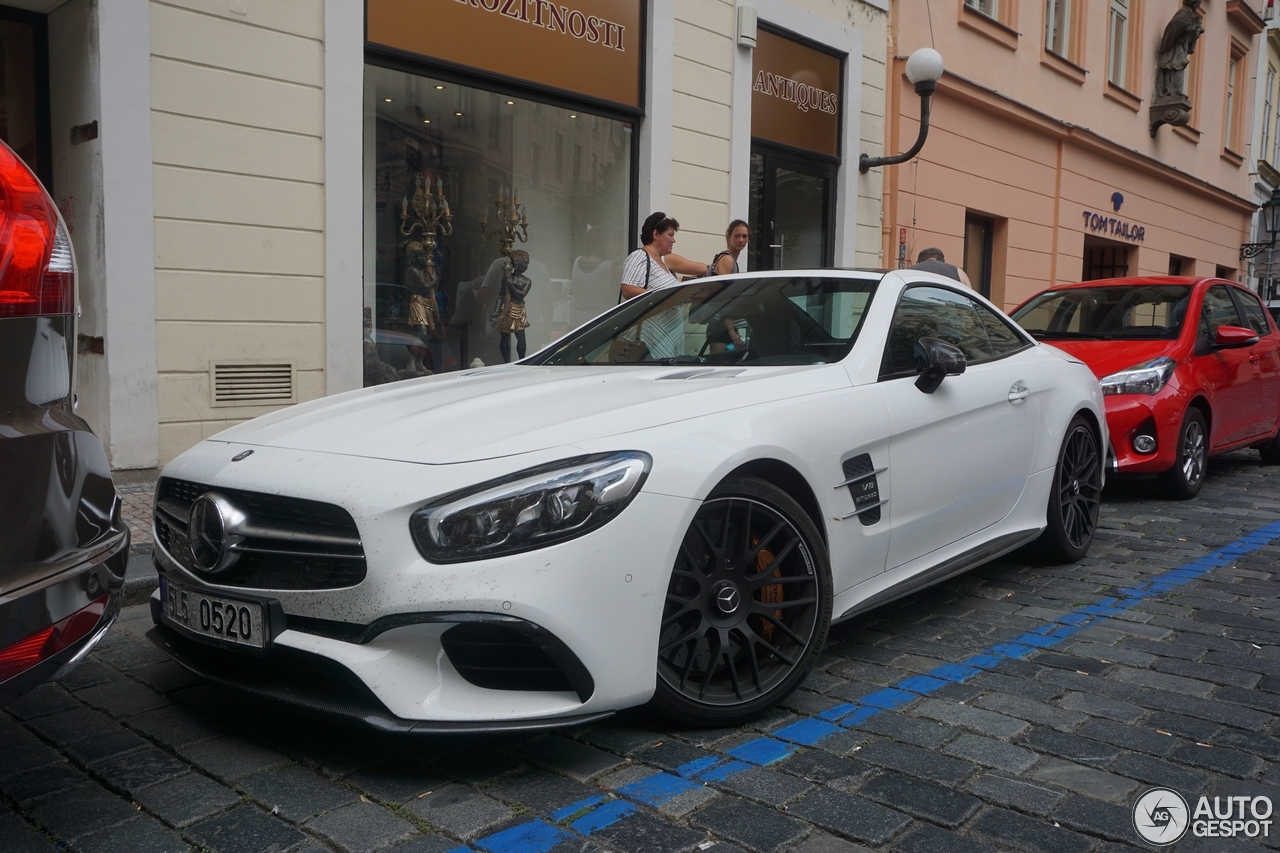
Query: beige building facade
[[251, 211], [1041, 165]]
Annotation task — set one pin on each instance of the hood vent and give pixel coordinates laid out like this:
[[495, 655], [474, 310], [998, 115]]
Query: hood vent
[[251, 383]]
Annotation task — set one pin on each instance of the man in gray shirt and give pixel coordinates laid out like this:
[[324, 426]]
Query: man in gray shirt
[[932, 260]]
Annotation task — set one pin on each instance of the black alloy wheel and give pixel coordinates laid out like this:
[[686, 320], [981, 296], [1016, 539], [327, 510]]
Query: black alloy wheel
[[747, 608], [1183, 481], [1076, 496]]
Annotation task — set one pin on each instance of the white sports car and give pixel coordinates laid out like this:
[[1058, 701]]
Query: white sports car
[[670, 504]]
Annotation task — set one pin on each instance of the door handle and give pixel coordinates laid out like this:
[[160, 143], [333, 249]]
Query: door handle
[[782, 252], [1019, 392]]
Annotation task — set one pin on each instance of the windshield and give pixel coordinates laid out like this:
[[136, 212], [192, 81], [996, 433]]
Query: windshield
[[747, 321], [1142, 311]]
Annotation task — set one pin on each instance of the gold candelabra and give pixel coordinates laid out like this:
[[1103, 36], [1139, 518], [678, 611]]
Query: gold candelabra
[[427, 212], [511, 223]]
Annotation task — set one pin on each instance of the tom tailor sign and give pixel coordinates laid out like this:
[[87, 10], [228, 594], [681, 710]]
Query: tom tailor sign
[[795, 95], [588, 47], [1100, 223]]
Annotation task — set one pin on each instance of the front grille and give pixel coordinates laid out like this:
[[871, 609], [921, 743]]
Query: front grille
[[296, 543], [501, 658]]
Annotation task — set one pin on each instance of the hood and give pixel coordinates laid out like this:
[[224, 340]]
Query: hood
[[1107, 357], [503, 411]]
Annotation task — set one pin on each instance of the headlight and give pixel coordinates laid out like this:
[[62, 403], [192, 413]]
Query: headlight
[[1146, 378], [529, 509]]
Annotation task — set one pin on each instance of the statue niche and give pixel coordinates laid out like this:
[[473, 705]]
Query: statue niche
[[1171, 105]]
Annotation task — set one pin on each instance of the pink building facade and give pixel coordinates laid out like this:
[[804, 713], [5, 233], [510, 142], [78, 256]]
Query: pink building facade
[[1041, 166]]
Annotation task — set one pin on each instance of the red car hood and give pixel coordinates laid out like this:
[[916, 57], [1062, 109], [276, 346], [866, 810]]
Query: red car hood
[[1107, 357]]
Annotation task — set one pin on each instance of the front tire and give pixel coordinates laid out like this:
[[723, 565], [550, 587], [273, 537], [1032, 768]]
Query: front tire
[[1271, 451], [1182, 482], [1076, 496], [748, 607]]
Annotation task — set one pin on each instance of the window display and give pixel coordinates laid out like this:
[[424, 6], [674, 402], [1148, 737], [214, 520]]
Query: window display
[[449, 168]]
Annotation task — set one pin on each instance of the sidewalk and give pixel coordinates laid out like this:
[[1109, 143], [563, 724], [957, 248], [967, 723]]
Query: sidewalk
[[137, 491]]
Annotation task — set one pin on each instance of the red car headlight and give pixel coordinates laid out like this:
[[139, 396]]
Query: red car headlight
[[1146, 378]]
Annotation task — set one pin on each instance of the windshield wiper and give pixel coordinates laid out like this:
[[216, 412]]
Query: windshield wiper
[[1045, 333], [678, 359]]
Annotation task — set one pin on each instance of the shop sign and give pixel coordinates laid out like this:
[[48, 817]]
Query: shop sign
[[586, 47], [795, 94], [1100, 223]]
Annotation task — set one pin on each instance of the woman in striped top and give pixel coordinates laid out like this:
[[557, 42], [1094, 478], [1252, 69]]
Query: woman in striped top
[[651, 267]]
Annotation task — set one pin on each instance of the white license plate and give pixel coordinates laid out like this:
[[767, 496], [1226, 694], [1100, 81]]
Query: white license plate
[[230, 620]]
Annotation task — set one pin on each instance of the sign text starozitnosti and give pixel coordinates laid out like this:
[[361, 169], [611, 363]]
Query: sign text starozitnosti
[[556, 18], [804, 96]]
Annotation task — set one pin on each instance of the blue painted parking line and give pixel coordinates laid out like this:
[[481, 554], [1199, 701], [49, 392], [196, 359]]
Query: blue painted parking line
[[658, 789], [607, 815], [538, 836], [573, 808], [761, 751]]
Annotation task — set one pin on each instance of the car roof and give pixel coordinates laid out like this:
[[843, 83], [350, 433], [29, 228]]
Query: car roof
[[1130, 281]]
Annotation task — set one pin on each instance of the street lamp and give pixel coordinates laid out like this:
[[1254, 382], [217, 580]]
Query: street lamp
[[924, 69], [1269, 213]]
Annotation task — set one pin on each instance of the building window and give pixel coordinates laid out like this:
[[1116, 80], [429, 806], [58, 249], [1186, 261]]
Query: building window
[[1118, 44], [1180, 266], [430, 300], [1104, 259], [990, 8], [1265, 148], [1234, 109], [1057, 27]]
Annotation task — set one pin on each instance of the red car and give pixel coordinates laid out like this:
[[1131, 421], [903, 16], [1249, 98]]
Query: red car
[[1190, 368]]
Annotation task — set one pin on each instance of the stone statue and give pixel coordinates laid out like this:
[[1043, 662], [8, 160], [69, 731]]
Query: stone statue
[[509, 314], [1171, 104]]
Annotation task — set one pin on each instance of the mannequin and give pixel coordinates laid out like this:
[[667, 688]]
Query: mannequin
[[509, 315]]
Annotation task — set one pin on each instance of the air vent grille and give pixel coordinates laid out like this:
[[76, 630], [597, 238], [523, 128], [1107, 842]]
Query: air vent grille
[[251, 384]]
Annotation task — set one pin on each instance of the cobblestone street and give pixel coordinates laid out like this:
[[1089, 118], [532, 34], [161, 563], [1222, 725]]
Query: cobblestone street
[[1018, 707]]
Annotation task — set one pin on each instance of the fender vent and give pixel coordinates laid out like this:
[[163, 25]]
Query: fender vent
[[865, 492], [251, 384]]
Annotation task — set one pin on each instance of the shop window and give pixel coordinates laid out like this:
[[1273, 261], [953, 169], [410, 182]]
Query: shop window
[[1228, 273], [1181, 266], [979, 234], [436, 308], [1104, 259]]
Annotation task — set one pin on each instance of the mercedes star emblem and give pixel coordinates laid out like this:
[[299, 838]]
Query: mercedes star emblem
[[727, 599], [214, 530]]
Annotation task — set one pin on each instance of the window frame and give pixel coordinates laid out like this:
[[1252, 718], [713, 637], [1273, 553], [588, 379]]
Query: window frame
[[1266, 113], [1234, 100], [1123, 64], [1242, 296], [1027, 341]]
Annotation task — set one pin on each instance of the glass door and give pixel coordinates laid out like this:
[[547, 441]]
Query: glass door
[[791, 213]]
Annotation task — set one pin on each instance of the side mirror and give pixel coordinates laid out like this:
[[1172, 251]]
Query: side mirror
[[1230, 337], [936, 359]]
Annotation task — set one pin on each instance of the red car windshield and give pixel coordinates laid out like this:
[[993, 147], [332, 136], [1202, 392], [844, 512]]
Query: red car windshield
[[1137, 312]]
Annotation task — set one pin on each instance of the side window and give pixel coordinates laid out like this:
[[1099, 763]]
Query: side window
[[1219, 310], [1004, 340], [933, 312], [1255, 316]]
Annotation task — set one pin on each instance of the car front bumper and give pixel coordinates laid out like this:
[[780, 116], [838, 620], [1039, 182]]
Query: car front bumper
[[1131, 415], [596, 601]]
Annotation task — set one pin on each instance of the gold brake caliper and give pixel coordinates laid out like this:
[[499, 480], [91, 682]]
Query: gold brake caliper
[[771, 594]]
